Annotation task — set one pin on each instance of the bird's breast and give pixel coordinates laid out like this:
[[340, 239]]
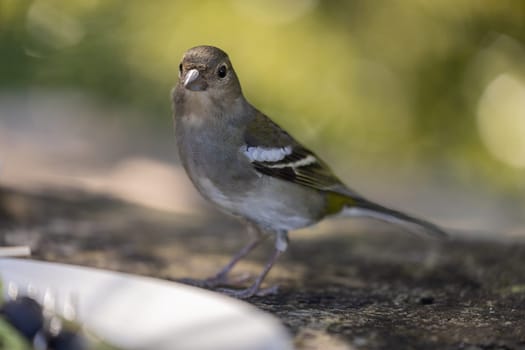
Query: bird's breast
[[210, 154]]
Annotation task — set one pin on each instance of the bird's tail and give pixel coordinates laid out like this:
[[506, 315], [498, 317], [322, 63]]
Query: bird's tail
[[363, 207]]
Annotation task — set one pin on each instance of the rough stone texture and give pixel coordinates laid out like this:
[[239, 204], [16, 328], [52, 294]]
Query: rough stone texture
[[351, 285]]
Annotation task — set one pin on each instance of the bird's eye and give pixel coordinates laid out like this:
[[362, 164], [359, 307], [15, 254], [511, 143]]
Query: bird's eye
[[180, 68], [221, 72]]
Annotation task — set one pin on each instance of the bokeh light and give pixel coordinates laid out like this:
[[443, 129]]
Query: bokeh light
[[501, 119]]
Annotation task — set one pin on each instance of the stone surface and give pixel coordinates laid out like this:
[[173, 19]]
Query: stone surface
[[347, 285]]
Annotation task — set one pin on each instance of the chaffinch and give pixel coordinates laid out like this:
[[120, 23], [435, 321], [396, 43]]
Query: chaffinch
[[243, 162]]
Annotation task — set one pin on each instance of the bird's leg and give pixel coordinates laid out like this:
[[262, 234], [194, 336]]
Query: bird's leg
[[281, 244], [221, 277]]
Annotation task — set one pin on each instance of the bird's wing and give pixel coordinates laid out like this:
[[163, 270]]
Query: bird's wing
[[273, 152]]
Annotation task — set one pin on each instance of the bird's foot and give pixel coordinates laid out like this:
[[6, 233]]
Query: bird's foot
[[249, 292], [204, 283], [273, 290], [216, 281], [208, 283]]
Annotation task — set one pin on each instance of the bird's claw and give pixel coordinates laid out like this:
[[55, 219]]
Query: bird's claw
[[204, 283], [215, 281], [248, 292]]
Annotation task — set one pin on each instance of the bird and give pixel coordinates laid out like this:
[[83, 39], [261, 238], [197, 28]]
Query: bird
[[249, 167]]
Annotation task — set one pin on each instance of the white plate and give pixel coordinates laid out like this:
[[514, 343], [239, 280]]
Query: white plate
[[134, 312]]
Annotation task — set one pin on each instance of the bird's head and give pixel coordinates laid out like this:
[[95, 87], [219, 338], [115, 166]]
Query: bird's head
[[208, 69]]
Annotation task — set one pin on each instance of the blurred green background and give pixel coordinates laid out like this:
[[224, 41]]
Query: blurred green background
[[376, 84]]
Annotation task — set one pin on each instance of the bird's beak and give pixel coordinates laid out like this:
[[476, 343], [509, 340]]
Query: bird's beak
[[191, 76], [192, 81]]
